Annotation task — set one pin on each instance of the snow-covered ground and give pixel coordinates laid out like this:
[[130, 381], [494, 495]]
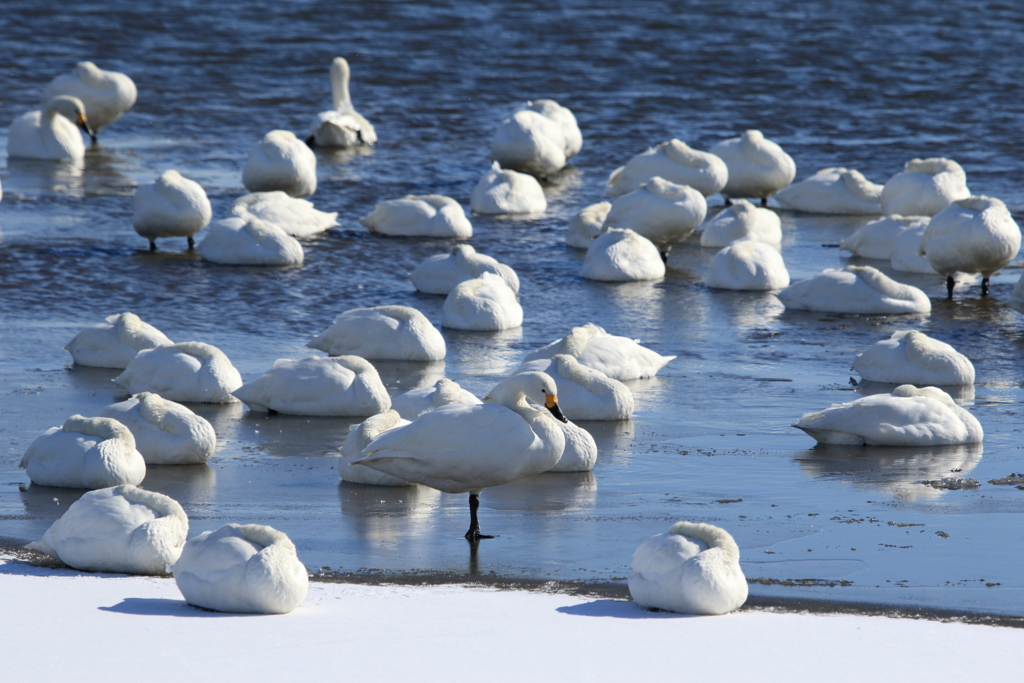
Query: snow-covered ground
[[60, 625]]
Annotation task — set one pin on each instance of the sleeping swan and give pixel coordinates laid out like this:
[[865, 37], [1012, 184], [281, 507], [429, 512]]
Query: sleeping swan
[[854, 289], [439, 274], [51, 134], [172, 206], [192, 372], [620, 358], [587, 225], [742, 221], [166, 433], [113, 344], [414, 403], [757, 166], [250, 241], [429, 215], [484, 303], [106, 94], [507, 192], [623, 256], [662, 211], [280, 161], [924, 187], [833, 191], [748, 266], [674, 161], [878, 238], [85, 453], [382, 333], [538, 139], [914, 358], [297, 217], [359, 436], [342, 126]]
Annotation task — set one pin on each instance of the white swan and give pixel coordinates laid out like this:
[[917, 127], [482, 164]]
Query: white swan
[[297, 217], [973, 235], [113, 344], [484, 303], [246, 568], [280, 161], [166, 433], [440, 273], [908, 417], [172, 206], [84, 453], [587, 225], [742, 221], [584, 393], [466, 448], [192, 372], [661, 211], [429, 215], [50, 134], [106, 94], [674, 161], [250, 242], [877, 238], [623, 256], [620, 358], [693, 569], [414, 403], [507, 192], [338, 386], [924, 187], [382, 333], [342, 126], [914, 358], [118, 529], [854, 289], [538, 139], [758, 167], [833, 191], [904, 256], [748, 266], [359, 437]]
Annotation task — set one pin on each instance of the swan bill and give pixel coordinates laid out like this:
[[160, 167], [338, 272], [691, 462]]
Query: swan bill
[[83, 123], [551, 403]]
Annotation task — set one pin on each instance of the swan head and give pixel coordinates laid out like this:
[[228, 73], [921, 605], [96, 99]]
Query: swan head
[[70, 108], [538, 387]]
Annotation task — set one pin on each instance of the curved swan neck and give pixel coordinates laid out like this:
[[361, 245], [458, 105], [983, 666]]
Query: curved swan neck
[[339, 84]]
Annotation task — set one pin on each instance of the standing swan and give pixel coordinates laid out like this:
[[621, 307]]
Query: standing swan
[[757, 166], [173, 206], [106, 94], [342, 126], [50, 134], [280, 161]]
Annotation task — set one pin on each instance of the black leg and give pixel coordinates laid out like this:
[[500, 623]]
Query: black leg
[[950, 284], [664, 255], [474, 524], [191, 243], [764, 201], [728, 202], [984, 286], [152, 245], [95, 139]]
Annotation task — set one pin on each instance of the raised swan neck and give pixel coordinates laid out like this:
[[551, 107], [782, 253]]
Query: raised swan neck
[[339, 84]]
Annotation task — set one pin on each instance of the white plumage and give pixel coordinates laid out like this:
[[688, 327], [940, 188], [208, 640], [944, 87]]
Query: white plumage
[[507, 192], [172, 206], [742, 221], [623, 256], [485, 304], [538, 139], [297, 217], [84, 453], [620, 358], [855, 289], [415, 402], [661, 211], [747, 265], [429, 215], [280, 161], [912, 357], [440, 273], [382, 333], [905, 256], [166, 433], [878, 238], [924, 187], [833, 191], [342, 126], [50, 134], [359, 437], [250, 242], [758, 167], [191, 372], [113, 344], [106, 94], [587, 225], [674, 161]]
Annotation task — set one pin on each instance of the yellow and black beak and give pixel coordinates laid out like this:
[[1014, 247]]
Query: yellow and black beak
[[551, 403], [83, 123]]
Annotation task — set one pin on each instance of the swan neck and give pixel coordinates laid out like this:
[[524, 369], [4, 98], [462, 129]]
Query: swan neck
[[339, 87]]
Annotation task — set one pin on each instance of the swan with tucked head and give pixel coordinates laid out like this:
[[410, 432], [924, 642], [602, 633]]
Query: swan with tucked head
[[440, 274], [538, 139], [855, 289], [507, 192], [623, 256], [106, 94], [924, 187], [758, 167], [50, 134], [172, 206], [342, 126], [85, 453], [674, 161], [833, 191], [280, 161]]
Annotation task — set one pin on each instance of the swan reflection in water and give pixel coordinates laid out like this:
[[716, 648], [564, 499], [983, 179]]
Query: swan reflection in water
[[48, 502], [388, 513], [400, 376], [548, 491], [187, 484]]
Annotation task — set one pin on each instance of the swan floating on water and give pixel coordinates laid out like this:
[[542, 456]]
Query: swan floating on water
[[118, 529], [836, 190], [620, 358], [742, 221], [924, 187], [692, 569], [623, 256], [172, 206], [50, 134], [245, 568], [507, 192], [538, 139], [908, 417], [250, 241], [758, 167], [587, 225], [662, 211], [877, 238], [113, 344], [106, 94], [484, 303], [440, 274], [338, 386], [280, 161], [166, 433], [748, 266], [414, 403], [466, 448], [297, 217], [382, 333], [429, 215], [911, 357], [854, 289], [342, 126], [84, 453], [674, 161], [191, 372]]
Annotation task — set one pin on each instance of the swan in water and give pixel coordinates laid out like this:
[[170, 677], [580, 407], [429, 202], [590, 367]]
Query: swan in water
[[429, 215], [118, 529], [85, 453], [297, 217], [674, 161], [907, 417], [414, 403], [113, 344], [742, 221], [623, 256], [833, 191], [440, 273], [507, 192], [904, 256], [758, 167], [620, 358], [191, 372], [462, 448], [877, 238], [172, 206], [585, 393], [854, 289], [280, 161], [250, 242], [587, 225], [246, 568], [661, 211], [538, 139], [382, 333], [106, 94], [914, 358], [748, 266], [359, 436], [166, 433], [692, 569], [342, 126], [50, 134], [484, 303], [338, 386], [924, 187], [973, 235]]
